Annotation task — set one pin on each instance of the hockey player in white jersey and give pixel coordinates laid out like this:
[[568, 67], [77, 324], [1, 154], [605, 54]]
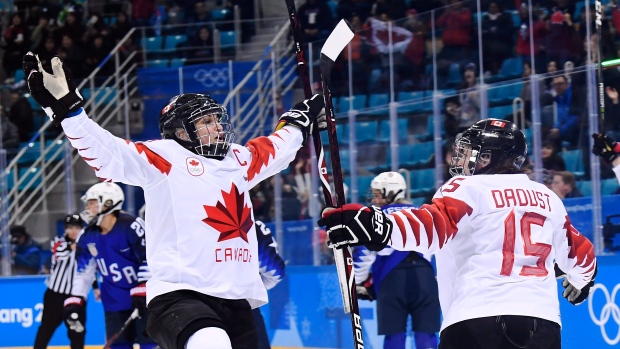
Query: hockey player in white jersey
[[201, 243], [495, 235]]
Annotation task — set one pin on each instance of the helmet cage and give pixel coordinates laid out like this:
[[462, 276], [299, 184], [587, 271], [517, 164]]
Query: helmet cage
[[213, 116]]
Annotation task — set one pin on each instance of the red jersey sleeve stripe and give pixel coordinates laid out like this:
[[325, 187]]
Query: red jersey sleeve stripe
[[415, 227], [401, 227], [262, 150]]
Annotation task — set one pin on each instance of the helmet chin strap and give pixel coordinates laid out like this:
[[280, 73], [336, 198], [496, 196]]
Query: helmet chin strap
[[392, 197], [96, 219]]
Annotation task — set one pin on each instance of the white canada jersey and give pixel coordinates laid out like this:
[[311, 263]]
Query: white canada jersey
[[199, 221], [495, 239]]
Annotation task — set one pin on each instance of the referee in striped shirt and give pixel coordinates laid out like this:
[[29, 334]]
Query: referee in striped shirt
[[59, 285]]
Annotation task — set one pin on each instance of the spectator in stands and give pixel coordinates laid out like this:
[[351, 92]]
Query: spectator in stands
[[228, 20], [42, 8], [414, 54], [70, 6], [566, 128], [559, 41], [200, 48], [395, 9], [326, 254], [452, 119], [291, 204], [612, 103], [119, 29], [142, 11], [350, 8], [199, 18], [456, 22], [21, 115], [26, 252], [127, 48], [10, 133], [262, 201], [316, 20], [550, 158], [609, 49], [72, 56], [94, 27], [95, 54], [72, 27], [39, 33], [552, 68], [469, 96], [564, 185], [497, 33], [16, 44], [523, 38], [359, 57], [47, 51]]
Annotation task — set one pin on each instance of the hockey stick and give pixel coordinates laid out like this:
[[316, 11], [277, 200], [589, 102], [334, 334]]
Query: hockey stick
[[112, 339], [598, 20], [339, 257], [336, 42]]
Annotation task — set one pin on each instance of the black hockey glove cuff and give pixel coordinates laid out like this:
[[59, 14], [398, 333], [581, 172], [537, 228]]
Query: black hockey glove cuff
[[577, 296], [366, 290], [138, 298], [355, 225], [605, 147], [57, 94], [74, 313], [304, 114]]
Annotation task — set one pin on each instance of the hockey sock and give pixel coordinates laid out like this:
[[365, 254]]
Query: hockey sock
[[395, 341], [216, 337], [424, 340]]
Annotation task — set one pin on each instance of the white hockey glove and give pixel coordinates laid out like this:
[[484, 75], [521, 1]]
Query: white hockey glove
[[57, 94], [303, 115]]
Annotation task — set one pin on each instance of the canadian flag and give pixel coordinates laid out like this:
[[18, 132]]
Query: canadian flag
[[498, 123]]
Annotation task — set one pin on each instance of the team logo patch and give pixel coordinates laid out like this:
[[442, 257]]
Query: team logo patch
[[92, 249], [194, 166], [498, 123]]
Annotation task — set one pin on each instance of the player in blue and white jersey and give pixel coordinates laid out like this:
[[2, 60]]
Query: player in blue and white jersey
[[113, 243], [402, 282]]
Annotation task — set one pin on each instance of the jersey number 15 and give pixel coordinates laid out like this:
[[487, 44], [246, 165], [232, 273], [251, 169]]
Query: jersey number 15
[[539, 250]]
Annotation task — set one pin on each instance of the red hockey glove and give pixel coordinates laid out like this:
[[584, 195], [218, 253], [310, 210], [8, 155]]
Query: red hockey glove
[[355, 225], [75, 313], [138, 298]]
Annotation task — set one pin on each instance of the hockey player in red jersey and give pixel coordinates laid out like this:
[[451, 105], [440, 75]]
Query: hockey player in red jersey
[[495, 235], [201, 243]]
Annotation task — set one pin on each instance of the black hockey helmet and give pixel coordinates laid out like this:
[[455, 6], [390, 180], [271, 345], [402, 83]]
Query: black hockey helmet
[[73, 220], [496, 144], [178, 121]]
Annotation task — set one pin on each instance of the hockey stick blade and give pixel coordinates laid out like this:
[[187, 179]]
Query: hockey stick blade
[[338, 40]]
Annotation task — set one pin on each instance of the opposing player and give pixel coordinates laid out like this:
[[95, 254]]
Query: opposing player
[[113, 243], [402, 282], [495, 235], [59, 284], [272, 270], [202, 247]]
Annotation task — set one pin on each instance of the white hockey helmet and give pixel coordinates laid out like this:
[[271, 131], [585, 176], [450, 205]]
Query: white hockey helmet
[[391, 184], [109, 198]]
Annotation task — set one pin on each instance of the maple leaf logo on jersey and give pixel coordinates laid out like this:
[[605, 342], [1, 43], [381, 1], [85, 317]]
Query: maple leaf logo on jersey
[[231, 216], [262, 149]]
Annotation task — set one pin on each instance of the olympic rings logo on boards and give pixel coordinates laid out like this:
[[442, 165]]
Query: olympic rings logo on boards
[[213, 77], [609, 310]]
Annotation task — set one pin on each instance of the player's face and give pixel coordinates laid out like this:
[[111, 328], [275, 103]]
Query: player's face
[[377, 198], [92, 206], [72, 231], [209, 129], [464, 155]]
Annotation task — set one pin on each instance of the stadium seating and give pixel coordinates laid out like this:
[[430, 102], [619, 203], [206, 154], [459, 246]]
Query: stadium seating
[[219, 14], [228, 39], [157, 63], [153, 43], [609, 186], [574, 162], [412, 102], [378, 104], [358, 101], [172, 41], [500, 112], [402, 128], [422, 182], [177, 62], [366, 131], [32, 178]]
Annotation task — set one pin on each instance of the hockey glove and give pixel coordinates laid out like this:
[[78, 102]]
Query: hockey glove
[[303, 115], [355, 225], [138, 298], [574, 295], [366, 290], [605, 147], [75, 313], [57, 94]]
